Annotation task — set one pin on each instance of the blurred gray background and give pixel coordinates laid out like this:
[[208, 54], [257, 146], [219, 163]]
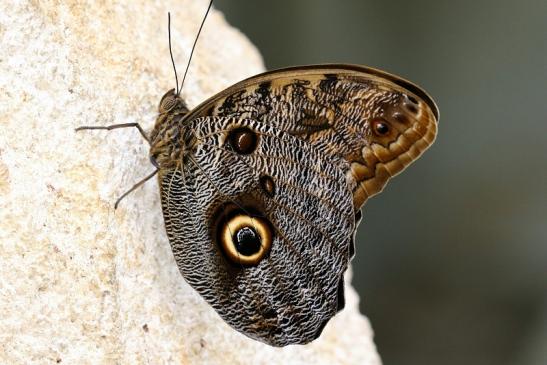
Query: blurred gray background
[[451, 259]]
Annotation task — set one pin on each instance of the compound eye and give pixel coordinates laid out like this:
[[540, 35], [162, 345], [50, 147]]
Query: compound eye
[[168, 101], [245, 240]]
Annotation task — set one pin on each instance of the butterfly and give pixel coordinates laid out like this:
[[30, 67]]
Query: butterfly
[[262, 187]]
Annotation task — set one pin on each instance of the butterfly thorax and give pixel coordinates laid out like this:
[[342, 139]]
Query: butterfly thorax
[[166, 142]]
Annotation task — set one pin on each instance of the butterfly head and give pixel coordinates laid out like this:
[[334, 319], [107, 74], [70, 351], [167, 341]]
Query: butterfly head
[[172, 103]]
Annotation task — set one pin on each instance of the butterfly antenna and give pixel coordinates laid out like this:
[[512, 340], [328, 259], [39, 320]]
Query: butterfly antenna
[[194, 46], [171, 50]]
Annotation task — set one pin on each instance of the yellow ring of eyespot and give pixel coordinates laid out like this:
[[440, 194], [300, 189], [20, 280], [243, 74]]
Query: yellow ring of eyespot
[[259, 225]]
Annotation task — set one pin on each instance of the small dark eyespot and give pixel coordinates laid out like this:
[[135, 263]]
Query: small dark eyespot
[[380, 127], [243, 140], [267, 184]]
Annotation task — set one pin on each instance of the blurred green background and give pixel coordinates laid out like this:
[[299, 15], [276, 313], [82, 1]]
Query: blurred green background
[[451, 259]]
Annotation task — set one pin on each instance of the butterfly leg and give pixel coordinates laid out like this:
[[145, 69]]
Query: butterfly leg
[[116, 126], [143, 134], [134, 187]]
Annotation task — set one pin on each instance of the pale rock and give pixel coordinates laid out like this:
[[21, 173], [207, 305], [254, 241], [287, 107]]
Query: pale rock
[[81, 283]]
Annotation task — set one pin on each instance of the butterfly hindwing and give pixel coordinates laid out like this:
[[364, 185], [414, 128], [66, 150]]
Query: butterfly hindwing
[[285, 185]]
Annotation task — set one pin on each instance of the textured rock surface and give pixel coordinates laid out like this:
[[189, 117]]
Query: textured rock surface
[[81, 283]]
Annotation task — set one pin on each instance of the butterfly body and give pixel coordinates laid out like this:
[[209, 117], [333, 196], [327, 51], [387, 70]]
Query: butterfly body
[[262, 185]]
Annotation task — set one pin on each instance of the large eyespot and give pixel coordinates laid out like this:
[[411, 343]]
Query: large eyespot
[[245, 240], [380, 127], [243, 140]]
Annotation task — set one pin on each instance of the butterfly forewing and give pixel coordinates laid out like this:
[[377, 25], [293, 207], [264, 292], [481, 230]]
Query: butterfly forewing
[[376, 121]]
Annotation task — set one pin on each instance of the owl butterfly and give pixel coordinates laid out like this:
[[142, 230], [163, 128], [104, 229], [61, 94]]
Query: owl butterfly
[[262, 185]]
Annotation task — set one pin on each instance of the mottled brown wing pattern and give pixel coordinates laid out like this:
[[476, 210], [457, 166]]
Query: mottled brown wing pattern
[[261, 187], [289, 294], [378, 122]]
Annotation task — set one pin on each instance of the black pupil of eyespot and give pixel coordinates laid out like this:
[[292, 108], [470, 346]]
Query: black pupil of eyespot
[[247, 241], [382, 128]]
